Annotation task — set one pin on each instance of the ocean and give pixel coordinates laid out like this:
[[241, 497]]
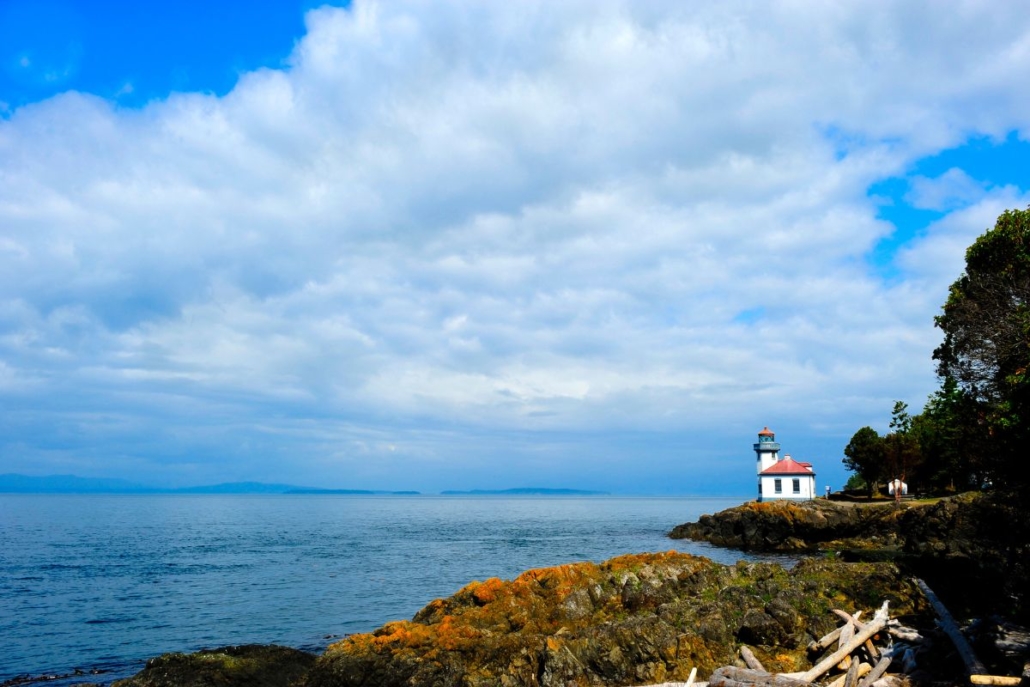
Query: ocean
[[100, 583]]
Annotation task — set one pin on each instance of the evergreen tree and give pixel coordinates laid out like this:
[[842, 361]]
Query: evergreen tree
[[901, 449], [865, 455]]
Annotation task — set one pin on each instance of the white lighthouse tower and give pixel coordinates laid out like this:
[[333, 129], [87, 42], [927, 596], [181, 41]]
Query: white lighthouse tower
[[767, 449]]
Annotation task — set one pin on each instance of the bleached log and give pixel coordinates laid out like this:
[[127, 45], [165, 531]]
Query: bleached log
[[846, 633], [904, 633], [826, 641], [878, 622], [750, 659], [950, 627], [861, 670], [1003, 680], [878, 670], [693, 674], [731, 676], [847, 617], [852, 676], [870, 648]]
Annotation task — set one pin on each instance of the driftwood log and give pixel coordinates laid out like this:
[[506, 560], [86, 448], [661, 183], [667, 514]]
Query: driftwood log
[[750, 659], [876, 673], [1003, 680], [878, 622], [825, 642], [950, 627], [874, 654], [731, 676], [977, 672]]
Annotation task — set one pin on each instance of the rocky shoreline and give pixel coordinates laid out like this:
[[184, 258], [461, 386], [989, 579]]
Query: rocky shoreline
[[948, 526], [962, 545], [634, 620], [654, 618]]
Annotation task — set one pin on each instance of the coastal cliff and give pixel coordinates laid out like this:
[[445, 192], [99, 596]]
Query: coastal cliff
[[633, 620]]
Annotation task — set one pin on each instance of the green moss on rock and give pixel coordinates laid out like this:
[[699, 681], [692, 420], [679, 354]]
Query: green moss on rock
[[233, 666]]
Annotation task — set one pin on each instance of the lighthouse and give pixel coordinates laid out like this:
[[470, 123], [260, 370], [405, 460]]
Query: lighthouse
[[781, 479]]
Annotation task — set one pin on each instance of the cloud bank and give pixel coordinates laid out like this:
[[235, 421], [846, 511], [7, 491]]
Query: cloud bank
[[456, 245]]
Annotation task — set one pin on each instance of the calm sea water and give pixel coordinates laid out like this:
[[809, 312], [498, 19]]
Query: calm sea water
[[103, 582]]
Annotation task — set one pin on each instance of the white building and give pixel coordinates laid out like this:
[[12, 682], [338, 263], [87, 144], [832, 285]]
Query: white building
[[897, 488], [781, 478]]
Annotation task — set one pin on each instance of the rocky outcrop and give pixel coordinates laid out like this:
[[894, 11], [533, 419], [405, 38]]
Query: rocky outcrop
[[638, 619], [962, 545], [948, 526], [232, 666]]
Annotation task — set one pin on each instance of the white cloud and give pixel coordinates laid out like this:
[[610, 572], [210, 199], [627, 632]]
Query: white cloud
[[951, 190], [507, 217]]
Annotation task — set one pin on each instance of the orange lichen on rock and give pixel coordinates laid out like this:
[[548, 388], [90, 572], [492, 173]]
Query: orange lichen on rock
[[485, 592], [631, 620]]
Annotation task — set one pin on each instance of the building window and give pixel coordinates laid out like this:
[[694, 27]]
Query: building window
[[778, 486], [797, 486]]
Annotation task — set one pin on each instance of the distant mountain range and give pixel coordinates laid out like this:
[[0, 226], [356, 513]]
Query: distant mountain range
[[71, 484]]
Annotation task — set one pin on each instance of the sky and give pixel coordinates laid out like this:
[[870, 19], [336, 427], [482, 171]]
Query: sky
[[483, 245]]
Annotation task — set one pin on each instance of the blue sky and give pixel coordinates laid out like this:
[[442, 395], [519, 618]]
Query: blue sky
[[412, 245]]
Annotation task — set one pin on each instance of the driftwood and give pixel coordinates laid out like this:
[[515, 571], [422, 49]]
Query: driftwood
[[846, 633], [852, 675], [750, 659], [906, 634], [856, 643], [826, 641], [878, 670], [950, 627], [859, 669], [731, 676], [848, 618], [878, 622], [1004, 680], [977, 672]]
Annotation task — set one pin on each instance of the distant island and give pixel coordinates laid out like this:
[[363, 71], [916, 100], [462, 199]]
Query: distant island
[[11, 483], [304, 490], [525, 491]]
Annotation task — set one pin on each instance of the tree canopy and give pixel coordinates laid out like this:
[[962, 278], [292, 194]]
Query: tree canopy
[[986, 348], [973, 430]]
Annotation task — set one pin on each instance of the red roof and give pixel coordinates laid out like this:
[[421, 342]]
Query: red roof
[[766, 433], [788, 466]]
